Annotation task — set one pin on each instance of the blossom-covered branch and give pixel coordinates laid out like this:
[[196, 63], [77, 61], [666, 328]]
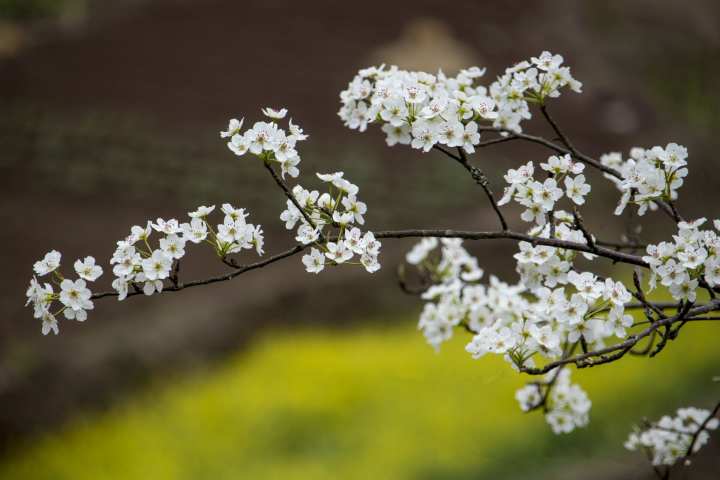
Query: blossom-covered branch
[[673, 440], [559, 313]]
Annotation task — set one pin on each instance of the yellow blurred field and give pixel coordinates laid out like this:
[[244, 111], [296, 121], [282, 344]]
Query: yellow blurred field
[[376, 403]]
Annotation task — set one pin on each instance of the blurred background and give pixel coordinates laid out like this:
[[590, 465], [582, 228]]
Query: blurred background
[[110, 113]]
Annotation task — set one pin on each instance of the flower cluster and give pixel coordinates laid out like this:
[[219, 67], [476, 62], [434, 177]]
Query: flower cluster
[[536, 325], [74, 295], [566, 405], [539, 198], [518, 321], [529, 82], [587, 310], [268, 141], [136, 263], [454, 300], [648, 175], [544, 266], [339, 210], [692, 257], [418, 108], [552, 309], [421, 109], [669, 439]]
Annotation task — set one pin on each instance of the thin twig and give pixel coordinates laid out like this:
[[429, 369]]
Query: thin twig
[[712, 415], [581, 226], [494, 141], [640, 295], [614, 352], [481, 179], [614, 255], [622, 245], [558, 131], [220, 278], [447, 152]]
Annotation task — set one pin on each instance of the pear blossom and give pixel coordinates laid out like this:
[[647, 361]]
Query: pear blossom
[[470, 137], [157, 266], [49, 263], [173, 246], [274, 114], [195, 231], [49, 324], [233, 128], [314, 262], [76, 297], [201, 211], [338, 252], [668, 439], [168, 227], [87, 270], [576, 189]]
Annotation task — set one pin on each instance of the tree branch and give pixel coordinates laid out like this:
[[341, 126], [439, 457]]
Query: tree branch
[[240, 269], [697, 433], [580, 224], [578, 156], [614, 255], [479, 176], [615, 352]]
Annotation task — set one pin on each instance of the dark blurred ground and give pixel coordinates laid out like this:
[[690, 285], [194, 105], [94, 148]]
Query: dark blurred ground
[[110, 117]]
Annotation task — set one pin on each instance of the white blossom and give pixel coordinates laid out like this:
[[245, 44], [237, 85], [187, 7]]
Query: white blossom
[[76, 297], [49, 263], [314, 261], [233, 128], [173, 246], [87, 270], [668, 439], [576, 189], [157, 266], [201, 211], [275, 114]]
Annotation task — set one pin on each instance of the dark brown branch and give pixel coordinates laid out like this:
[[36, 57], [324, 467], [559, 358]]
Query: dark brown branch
[[674, 212], [604, 252], [686, 320], [495, 141], [646, 350], [447, 152], [175, 272], [554, 146], [481, 179], [660, 305], [581, 226], [622, 245], [702, 427], [614, 352], [544, 396], [641, 298], [240, 269], [614, 255], [556, 129]]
